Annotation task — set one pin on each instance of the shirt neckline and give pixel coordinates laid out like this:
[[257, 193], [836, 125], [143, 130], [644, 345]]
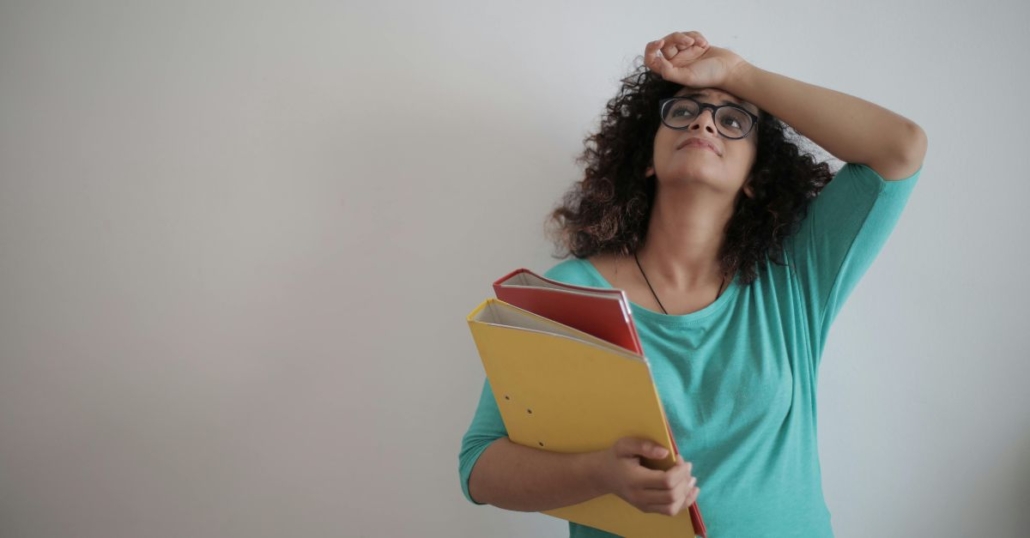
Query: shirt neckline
[[693, 318]]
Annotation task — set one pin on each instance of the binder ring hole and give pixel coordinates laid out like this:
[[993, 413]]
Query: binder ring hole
[[530, 411], [506, 397], [541, 443]]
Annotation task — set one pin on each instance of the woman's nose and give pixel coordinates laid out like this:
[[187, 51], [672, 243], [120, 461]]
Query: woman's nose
[[700, 120]]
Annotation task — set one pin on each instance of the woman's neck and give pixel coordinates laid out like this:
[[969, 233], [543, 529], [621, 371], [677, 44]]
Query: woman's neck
[[684, 238]]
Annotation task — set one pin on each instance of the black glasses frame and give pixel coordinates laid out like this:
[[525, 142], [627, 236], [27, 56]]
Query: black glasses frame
[[665, 103]]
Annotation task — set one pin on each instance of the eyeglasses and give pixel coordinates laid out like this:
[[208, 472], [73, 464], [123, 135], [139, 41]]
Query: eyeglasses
[[731, 121]]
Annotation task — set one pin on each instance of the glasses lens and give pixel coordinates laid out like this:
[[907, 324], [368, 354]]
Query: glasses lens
[[733, 122], [680, 113]]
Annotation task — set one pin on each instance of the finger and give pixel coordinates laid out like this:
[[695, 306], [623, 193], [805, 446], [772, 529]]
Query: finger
[[651, 54], [683, 40], [632, 447], [692, 496], [664, 481], [682, 470], [652, 497], [673, 477], [688, 500], [651, 57], [658, 495], [668, 509], [686, 485], [641, 478], [670, 49], [668, 502], [700, 39], [670, 37], [656, 62], [665, 43]]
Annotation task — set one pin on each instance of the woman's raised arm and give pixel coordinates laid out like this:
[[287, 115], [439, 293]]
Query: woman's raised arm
[[851, 129]]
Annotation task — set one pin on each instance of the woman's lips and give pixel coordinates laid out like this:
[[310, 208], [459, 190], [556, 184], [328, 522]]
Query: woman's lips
[[699, 144]]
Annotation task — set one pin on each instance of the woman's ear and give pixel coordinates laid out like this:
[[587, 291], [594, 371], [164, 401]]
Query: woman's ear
[[748, 191], [649, 172]]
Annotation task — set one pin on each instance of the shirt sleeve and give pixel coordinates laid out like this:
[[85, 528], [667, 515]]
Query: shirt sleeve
[[845, 228], [487, 426]]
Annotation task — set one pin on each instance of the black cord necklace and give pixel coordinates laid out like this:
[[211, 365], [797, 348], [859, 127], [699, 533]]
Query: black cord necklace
[[635, 257]]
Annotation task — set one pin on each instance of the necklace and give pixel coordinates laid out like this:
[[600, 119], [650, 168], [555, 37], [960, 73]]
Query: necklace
[[635, 257]]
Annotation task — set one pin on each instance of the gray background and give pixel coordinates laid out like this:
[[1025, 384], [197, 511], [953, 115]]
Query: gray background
[[238, 241]]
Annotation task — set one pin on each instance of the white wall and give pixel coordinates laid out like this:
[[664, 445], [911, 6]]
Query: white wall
[[238, 241]]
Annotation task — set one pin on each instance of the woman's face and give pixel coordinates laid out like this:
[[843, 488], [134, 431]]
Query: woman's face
[[725, 166]]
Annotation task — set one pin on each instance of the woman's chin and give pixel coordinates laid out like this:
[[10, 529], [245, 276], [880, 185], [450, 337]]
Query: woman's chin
[[695, 173]]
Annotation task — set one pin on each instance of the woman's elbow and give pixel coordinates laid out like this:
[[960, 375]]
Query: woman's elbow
[[903, 155], [914, 147]]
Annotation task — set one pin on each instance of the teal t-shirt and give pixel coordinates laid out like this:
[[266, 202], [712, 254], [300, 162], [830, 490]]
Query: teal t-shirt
[[738, 378]]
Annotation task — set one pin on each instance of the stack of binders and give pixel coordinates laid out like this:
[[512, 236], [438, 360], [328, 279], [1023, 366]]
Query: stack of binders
[[566, 367]]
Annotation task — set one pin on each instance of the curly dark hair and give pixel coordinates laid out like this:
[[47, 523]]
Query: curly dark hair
[[608, 211]]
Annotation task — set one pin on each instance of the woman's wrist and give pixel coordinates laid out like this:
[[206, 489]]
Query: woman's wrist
[[740, 78], [591, 469]]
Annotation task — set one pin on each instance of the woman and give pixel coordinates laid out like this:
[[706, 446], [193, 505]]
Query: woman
[[737, 250]]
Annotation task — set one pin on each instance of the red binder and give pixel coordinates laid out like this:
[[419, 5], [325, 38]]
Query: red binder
[[601, 312]]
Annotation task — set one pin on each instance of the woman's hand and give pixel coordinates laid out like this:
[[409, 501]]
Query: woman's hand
[[687, 59], [662, 492]]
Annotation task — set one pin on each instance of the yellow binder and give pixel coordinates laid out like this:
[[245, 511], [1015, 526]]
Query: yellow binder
[[563, 390]]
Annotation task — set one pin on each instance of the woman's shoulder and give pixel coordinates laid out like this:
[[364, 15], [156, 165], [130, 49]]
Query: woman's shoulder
[[579, 271]]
